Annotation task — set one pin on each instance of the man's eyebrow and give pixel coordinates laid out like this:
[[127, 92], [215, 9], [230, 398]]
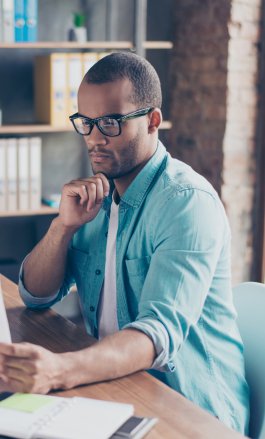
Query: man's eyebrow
[[104, 115]]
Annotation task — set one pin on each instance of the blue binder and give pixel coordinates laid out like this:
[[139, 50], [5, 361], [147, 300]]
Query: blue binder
[[31, 20], [19, 20]]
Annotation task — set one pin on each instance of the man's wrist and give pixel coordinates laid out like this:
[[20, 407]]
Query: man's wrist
[[60, 228]]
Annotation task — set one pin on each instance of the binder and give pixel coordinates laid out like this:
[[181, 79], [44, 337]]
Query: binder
[[1, 22], [31, 20], [50, 86], [35, 173], [74, 77], [19, 22], [8, 21], [23, 173], [3, 176], [89, 59], [11, 174], [49, 417]]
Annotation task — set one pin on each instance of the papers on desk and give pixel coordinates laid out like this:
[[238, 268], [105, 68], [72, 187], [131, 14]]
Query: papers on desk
[[5, 335], [28, 416]]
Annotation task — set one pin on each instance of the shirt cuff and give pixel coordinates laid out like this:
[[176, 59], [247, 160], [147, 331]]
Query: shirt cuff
[[159, 336], [30, 300]]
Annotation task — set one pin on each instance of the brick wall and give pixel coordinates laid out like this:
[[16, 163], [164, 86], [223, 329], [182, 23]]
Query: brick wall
[[213, 106]]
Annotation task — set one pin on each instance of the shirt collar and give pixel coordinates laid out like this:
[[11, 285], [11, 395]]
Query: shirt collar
[[136, 192]]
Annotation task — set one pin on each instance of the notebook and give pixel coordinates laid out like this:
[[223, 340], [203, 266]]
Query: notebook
[[31, 416]]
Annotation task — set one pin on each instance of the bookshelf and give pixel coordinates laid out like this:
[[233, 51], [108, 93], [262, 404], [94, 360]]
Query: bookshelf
[[116, 30]]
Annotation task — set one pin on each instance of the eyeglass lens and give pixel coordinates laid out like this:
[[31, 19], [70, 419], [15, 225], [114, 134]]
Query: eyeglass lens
[[107, 126]]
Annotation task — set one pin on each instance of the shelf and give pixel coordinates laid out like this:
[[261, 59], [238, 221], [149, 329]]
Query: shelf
[[69, 45], [157, 45], [31, 129], [88, 45], [166, 125], [27, 129], [44, 210]]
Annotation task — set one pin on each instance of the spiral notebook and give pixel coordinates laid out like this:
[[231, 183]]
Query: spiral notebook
[[30, 416]]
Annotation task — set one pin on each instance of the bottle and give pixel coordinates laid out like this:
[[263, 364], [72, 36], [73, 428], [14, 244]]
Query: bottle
[[78, 32]]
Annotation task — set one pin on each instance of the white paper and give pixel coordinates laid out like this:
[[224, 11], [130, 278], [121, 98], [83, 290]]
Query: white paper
[[5, 335]]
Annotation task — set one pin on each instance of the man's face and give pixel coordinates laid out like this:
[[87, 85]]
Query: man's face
[[121, 155]]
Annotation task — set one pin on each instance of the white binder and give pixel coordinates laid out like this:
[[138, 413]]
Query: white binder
[[23, 173], [8, 31], [11, 168], [3, 177], [35, 172]]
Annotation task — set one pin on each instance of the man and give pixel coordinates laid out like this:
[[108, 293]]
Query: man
[[146, 241]]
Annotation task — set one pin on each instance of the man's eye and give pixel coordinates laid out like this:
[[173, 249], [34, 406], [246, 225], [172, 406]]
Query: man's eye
[[107, 122], [85, 122]]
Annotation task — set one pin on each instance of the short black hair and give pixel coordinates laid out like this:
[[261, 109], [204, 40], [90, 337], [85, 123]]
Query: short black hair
[[122, 65]]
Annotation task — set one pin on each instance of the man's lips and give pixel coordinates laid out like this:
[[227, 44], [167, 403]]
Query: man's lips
[[98, 157]]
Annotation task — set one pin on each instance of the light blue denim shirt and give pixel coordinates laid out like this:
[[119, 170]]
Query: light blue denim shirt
[[173, 283]]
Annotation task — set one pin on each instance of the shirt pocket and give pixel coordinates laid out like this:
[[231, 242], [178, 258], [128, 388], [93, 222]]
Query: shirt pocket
[[136, 271]]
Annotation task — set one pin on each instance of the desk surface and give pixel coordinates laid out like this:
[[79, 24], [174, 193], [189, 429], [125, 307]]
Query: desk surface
[[178, 417]]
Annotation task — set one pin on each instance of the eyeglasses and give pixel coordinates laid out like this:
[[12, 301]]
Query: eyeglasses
[[109, 125]]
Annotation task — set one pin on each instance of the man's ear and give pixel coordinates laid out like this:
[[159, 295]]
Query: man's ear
[[155, 119]]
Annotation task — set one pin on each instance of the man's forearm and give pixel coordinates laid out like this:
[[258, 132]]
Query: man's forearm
[[44, 268], [117, 355]]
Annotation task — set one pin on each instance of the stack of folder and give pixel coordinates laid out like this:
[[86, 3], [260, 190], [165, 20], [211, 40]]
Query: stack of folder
[[57, 77], [20, 174]]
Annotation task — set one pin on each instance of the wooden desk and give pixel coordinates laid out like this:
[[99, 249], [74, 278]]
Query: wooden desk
[[178, 417]]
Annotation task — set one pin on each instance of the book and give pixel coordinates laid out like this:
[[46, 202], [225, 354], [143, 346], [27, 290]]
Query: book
[[31, 20], [74, 78], [50, 86], [8, 33], [11, 170], [35, 172], [23, 173], [19, 21], [55, 417], [3, 176]]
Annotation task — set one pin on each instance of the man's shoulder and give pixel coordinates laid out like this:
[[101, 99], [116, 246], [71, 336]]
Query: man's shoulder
[[178, 177]]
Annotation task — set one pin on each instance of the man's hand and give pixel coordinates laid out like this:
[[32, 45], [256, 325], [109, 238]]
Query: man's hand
[[25, 367], [82, 199]]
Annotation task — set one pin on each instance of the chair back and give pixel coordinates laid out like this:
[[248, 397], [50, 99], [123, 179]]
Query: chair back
[[249, 299]]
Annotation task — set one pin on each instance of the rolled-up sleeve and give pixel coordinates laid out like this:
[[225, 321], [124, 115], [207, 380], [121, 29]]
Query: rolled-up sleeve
[[188, 235], [42, 302]]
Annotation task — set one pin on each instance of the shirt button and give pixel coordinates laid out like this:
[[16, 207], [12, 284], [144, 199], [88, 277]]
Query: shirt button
[[92, 308], [98, 271]]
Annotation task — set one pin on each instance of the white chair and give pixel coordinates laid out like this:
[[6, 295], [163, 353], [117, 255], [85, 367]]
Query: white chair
[[249, 299]]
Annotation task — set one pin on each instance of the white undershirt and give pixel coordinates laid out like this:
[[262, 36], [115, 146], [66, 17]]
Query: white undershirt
[[108, 322]]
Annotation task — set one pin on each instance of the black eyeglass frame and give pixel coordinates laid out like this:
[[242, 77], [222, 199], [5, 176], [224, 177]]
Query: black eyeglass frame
[[118, 117]]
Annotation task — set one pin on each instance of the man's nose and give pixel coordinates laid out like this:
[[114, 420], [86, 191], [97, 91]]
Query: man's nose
[[95, 137]]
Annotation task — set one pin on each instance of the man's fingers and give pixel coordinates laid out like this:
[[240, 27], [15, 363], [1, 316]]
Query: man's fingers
[[105, 183], [20, 350]]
